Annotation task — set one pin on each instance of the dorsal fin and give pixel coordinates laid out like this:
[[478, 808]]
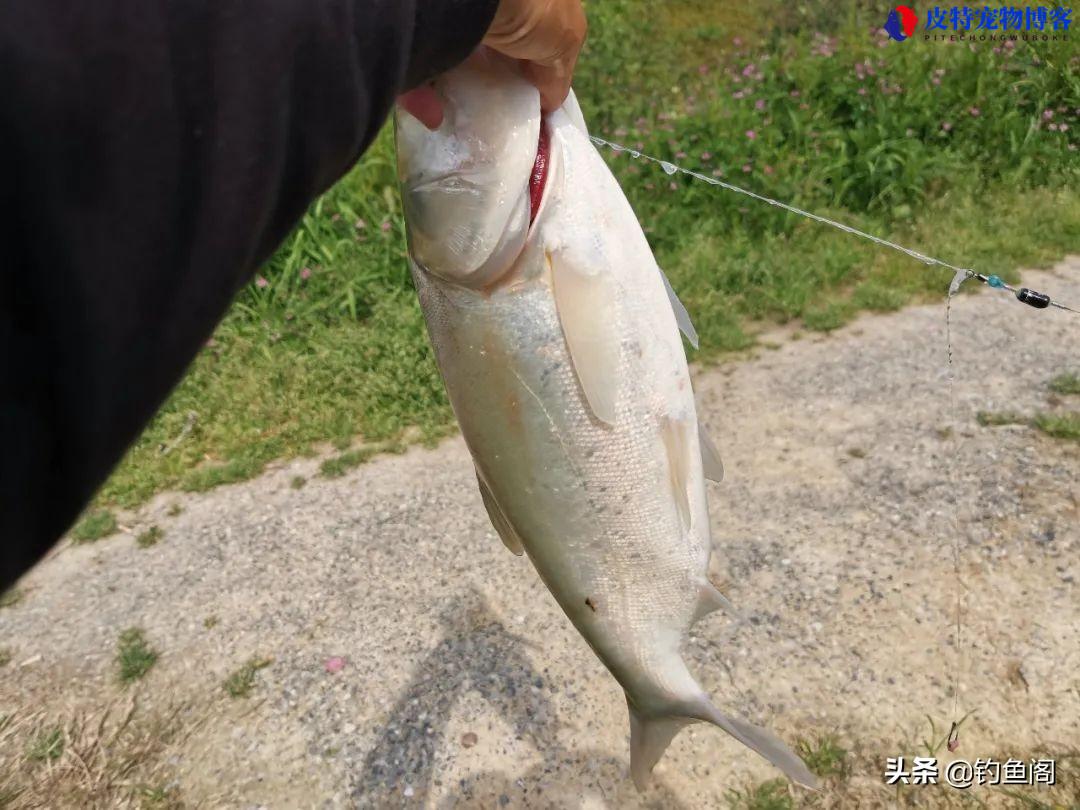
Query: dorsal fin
[[682, 317]]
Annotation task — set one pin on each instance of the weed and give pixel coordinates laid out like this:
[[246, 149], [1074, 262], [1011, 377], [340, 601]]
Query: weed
[[12, 596], [1066, 384], [134, 656], [856, 452], [297, 482], [825, 757], [240, 683], [46, 745], [829, 317], [210, 622], [174, 510], [999, 418], [771, 795], [94, 526], [149, 537], [5, 659], [339, 465], [1059, 425]]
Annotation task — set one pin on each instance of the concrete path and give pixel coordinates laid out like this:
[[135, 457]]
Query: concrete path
[[852, 474]]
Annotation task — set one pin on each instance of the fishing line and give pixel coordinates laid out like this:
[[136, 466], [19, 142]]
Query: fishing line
[[1027, 296], [1024, 295]]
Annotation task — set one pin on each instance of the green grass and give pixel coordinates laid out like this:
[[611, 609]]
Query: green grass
[[94, 526], [825, 757], [1055, 425], [339, 465], [5, 657], [240, 683], [330, 346], [771, 795], [1059, 425], [999, 418], [149, 537], [134, 655], [1066, 384], [46, 745]]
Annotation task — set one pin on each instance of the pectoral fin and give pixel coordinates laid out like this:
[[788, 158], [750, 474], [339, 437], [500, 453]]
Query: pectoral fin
[[711, 464], [585, 301], [682, 317], [505, 530]]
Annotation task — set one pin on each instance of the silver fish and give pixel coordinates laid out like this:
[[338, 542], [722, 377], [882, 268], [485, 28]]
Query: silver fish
[[558, 339]]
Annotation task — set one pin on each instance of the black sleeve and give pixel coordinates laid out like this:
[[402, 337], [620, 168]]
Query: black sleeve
[[152, 154]]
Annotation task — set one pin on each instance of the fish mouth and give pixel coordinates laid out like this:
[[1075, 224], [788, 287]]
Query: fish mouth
[[539, 176]]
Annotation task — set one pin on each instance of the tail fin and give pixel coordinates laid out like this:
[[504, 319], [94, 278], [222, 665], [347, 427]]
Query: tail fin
[[650, 737]]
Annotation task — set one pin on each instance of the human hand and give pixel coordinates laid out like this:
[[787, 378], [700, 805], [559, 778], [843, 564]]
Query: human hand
[[545, 35]]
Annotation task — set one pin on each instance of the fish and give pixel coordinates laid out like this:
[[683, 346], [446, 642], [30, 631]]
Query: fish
[[558, 339]]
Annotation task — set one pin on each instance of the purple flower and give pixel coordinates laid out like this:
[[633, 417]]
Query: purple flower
[[1048, 114], [768, 170], [305, 274], [975, 112], [751, 134], [945, 125], [759, 104], [935, 81], [861, 91], [261, 282], [706, 155], [1063, 127], [359, 224], [385, 226], [703, 69], [334, 664], [795, 94], [680, 155], [747, 168], [673, 186], [749, 70], [736, 42]]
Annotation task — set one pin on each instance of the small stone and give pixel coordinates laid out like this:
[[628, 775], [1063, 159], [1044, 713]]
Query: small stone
[[469, 739], [334, 664]]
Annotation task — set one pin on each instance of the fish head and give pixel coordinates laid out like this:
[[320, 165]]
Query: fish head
[[465, 186]]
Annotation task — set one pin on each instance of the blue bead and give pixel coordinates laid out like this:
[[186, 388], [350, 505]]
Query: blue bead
[[995, 281]]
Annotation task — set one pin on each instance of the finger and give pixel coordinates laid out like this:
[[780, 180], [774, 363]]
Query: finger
[[553, 82], [424, 105]]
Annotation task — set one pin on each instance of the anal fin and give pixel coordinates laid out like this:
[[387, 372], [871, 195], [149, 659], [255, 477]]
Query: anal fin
[[502, 526]]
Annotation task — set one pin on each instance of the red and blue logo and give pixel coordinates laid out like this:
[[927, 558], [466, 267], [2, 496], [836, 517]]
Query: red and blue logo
[[900, 24]]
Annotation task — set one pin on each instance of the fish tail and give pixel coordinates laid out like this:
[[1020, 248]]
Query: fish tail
[[650, 737], [763, 742]]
